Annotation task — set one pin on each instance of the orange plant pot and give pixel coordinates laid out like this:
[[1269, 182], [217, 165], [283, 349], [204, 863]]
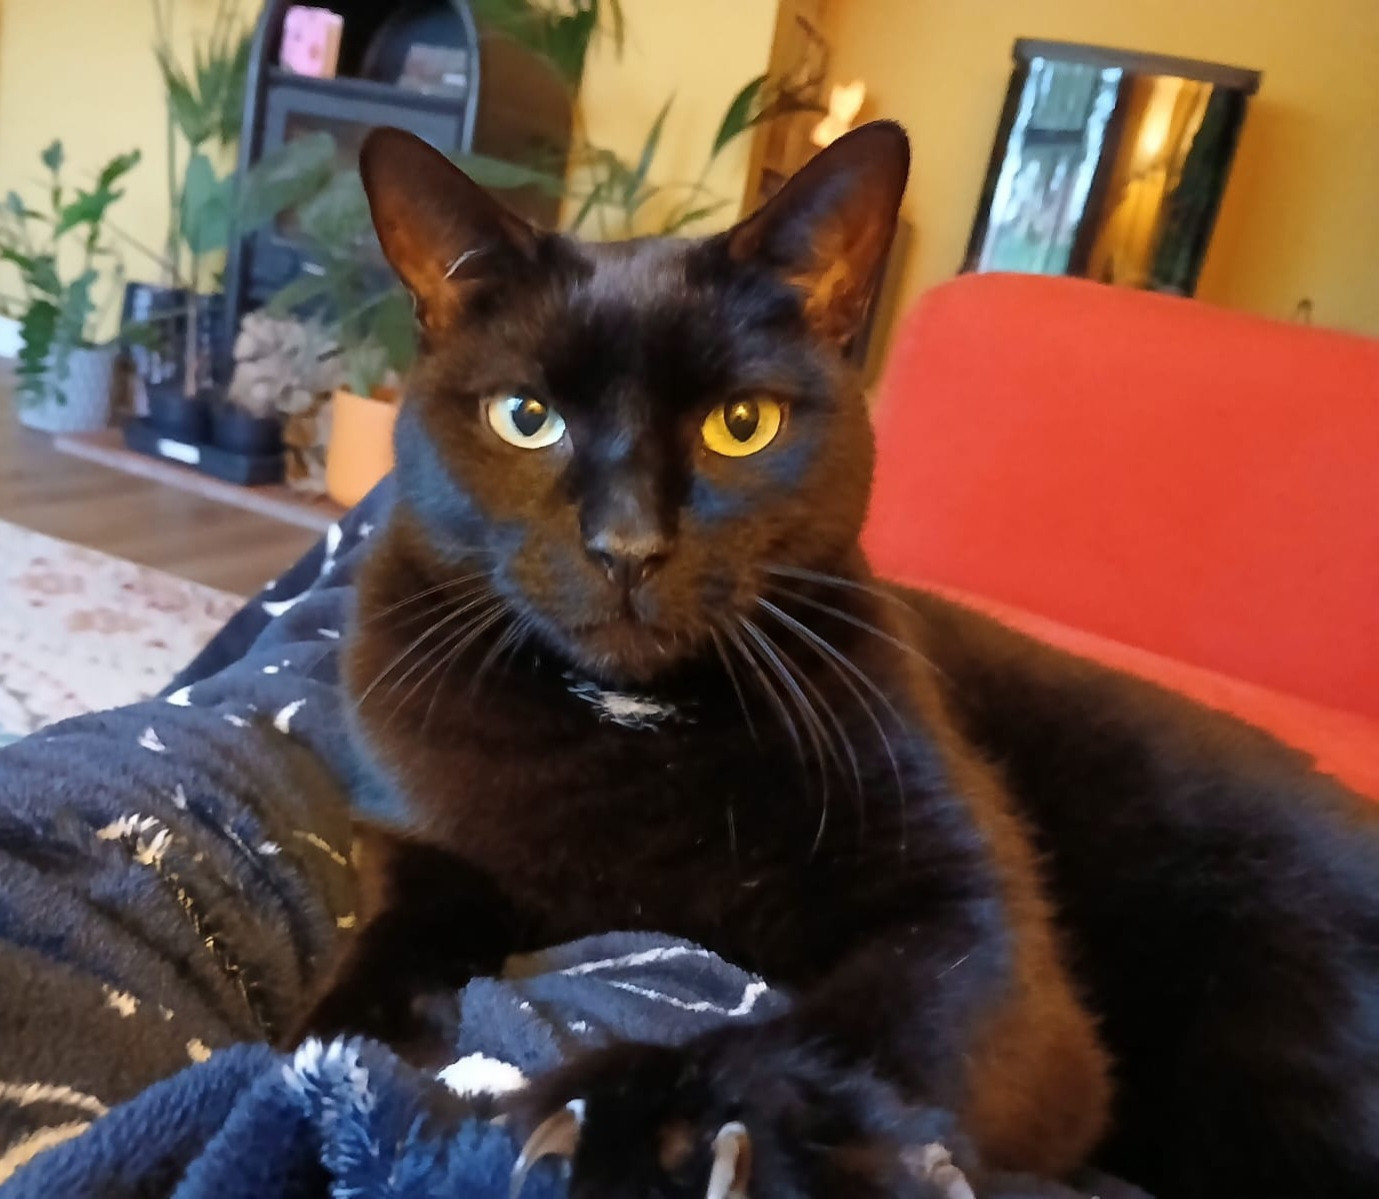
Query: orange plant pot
[[360, 450]]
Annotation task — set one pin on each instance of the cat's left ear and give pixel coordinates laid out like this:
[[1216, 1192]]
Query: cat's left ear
[[828, 229], [442, 233]]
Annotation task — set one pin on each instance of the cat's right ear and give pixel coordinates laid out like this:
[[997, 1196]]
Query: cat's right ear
[[829, 228], [442, 233]]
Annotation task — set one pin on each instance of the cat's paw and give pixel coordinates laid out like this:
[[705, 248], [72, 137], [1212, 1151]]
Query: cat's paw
[[728, 1117]]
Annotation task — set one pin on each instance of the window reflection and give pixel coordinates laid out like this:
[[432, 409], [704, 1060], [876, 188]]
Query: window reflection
[[1108, 165]]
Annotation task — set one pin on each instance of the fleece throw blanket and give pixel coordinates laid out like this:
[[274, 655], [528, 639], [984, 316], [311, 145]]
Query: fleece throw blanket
[[173, 877]]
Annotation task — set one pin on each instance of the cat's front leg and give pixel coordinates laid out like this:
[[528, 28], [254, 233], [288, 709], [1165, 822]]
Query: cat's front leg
[[428, 923], [936, 1036]]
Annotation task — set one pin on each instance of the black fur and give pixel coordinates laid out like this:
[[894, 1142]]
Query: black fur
[[1222, 902], [1002, 884]]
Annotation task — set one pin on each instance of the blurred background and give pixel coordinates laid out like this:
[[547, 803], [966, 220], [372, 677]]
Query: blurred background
[[204, 353], [195, 159]]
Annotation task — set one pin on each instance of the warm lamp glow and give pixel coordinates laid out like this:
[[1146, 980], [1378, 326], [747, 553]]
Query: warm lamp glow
[[844, 103], [1152, 139]]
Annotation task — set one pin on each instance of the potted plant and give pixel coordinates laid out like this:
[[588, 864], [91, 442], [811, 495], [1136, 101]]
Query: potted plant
[[246, 422], [64, 372], [178, 315], [285, 372], [214, 211], [346, 284], [349, 288]]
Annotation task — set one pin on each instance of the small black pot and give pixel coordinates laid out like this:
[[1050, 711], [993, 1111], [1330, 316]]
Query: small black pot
[[161, 314], [235, 430], [176, 416]]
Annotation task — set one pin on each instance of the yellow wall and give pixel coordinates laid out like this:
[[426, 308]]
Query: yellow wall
[[83, 71], [702, 52], [1301, 213]]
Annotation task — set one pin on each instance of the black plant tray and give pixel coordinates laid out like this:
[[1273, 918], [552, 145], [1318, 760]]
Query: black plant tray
[[246, 469]]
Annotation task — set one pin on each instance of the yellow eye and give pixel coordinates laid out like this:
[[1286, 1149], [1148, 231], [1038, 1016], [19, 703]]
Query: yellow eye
[[524, 422], [743, 426]]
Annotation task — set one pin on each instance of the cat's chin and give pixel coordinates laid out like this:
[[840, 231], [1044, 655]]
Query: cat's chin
[[625, 652]]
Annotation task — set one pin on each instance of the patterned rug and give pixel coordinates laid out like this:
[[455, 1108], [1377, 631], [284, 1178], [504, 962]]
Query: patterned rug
[[81, 631]]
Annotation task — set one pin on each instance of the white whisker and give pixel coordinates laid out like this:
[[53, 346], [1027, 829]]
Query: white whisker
[[813, 726], [840, 662]]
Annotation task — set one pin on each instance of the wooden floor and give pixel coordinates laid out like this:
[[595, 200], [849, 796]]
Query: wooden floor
[[134, 518]]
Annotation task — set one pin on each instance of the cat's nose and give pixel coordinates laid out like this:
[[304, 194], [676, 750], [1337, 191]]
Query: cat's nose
[[628, 560]]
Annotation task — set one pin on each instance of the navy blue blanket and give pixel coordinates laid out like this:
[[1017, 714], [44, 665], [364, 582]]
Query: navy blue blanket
[[173, 878]]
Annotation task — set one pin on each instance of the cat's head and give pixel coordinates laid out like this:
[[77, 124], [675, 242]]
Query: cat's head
[[633, 435]]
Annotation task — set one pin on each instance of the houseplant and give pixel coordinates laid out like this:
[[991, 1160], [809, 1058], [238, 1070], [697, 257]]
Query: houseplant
[[246, 421], [289, 368], [610, 195], [217, 211], [178, 314], [353, 295], [64, 372], [346, 284]]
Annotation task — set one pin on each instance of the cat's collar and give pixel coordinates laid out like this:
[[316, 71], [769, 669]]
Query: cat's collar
[[625, 708]]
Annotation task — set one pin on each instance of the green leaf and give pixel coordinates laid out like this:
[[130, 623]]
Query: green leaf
[[649, 148], [394, 327], [117, 168], [24, 262], [87, 209], [209, 73], [236, 86], [679, 220], [74, 311], [206, 207], [216, 87], [42, 275], [285, 178], [299, 292], [595, 197], [36, 331], [15, 203], [146, 333], [337, 218], [567, 41], [365, 363], [500, 175], [619, 25], [206, 102], [53, 157], [742, 114], [185, 107]]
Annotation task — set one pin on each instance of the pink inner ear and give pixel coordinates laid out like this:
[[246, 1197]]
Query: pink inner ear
[[433, 222], [832, 223], [846, 250]]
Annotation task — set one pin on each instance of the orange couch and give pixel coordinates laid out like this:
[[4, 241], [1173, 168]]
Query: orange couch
[[1185, 493]]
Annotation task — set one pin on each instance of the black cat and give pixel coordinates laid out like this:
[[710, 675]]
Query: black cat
[[619, 652]]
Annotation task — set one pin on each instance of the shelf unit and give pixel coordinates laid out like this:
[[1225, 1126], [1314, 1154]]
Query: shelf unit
[[510, 103]]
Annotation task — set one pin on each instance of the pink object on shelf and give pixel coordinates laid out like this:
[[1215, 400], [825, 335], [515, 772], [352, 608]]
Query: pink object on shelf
[[311, 41]]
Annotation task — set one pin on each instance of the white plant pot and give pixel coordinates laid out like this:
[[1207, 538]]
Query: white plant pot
[[79, 402]]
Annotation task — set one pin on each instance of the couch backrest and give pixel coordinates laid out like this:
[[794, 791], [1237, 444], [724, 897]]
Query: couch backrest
[[1196, 482]]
